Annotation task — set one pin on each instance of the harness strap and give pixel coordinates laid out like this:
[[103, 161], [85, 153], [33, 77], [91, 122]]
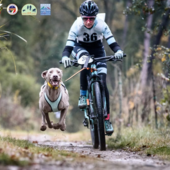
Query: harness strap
[[63, 86], [54, 105]]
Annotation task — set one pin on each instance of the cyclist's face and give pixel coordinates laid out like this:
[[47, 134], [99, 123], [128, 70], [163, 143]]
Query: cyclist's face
[[88, 21]]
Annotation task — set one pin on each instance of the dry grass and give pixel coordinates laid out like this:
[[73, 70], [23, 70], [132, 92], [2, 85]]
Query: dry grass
[[149, 141], [53, 135], [16, 151]]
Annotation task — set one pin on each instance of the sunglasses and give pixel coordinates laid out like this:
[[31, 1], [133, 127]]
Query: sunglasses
[[88, 18]]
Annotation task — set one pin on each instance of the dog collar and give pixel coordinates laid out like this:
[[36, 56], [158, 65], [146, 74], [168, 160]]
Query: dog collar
[[53, 87]]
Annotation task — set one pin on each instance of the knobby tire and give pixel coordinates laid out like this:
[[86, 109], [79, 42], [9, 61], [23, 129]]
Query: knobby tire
[[97, 105], [94, 136]]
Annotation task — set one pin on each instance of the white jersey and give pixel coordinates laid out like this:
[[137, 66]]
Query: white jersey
[[79, 32]]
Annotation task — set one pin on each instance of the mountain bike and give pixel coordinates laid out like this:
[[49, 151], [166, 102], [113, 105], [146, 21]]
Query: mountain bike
[[95, 110]]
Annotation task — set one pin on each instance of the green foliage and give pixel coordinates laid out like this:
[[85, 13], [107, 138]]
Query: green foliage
[[163, 53], [27, 87], [10, 66], [166, 94], [142, 9]]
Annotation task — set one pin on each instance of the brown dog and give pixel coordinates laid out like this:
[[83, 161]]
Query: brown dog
[[53, 97]]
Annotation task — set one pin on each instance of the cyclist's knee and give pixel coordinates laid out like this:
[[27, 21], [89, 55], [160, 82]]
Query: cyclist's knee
[[78, 52], [102, 68]]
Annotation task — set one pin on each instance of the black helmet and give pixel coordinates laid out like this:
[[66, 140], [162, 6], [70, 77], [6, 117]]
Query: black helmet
[[89, 8]]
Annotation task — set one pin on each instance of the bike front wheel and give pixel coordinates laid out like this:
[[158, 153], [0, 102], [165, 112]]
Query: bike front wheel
[[98, 109], [94, 135]]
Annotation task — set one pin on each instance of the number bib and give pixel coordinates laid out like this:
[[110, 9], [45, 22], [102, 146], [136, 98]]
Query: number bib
[[89, 35], [81, 33]]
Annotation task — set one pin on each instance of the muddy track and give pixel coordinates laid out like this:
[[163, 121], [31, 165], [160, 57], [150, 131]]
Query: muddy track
[[110, 159], [99, 160]]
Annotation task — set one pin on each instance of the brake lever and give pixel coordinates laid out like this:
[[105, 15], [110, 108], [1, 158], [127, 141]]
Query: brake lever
[[86, 63], [116, 59], [75, 64]]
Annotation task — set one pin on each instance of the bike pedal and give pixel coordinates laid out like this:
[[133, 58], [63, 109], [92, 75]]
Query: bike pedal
[[107, 134], [85, 123]]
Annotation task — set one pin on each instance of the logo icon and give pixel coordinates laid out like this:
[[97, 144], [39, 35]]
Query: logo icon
[[12, 9], [45, 9], [29, 9]]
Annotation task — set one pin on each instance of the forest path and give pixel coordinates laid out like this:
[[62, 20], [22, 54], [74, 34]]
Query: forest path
[[90, 159], [109, 159]]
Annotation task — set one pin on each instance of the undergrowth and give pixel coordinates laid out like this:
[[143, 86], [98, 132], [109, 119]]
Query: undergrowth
[[146, 140]]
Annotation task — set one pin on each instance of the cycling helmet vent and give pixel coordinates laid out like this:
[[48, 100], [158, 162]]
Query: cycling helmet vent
[[89, 8]]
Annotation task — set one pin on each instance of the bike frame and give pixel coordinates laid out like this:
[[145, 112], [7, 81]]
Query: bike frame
[[94, 77]]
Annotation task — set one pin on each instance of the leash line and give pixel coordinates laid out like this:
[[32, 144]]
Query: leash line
[[75, 74]]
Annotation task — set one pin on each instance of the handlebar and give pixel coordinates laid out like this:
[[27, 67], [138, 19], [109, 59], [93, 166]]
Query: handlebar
[[105, 59]]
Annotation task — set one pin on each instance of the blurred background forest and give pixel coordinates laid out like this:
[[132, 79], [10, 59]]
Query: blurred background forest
[[139, 86]]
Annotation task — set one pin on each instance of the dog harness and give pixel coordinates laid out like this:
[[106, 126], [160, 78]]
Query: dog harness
[[54, 105]]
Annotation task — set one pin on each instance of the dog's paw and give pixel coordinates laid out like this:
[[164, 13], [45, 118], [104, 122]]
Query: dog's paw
[[50, 126], [43, 128], [63, 127], [56, 126]]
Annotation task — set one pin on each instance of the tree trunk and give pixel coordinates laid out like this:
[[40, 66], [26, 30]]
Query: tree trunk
[[147, 39], [125, 27], [106, 9], [168, 42], [144, 72], [120, 102]]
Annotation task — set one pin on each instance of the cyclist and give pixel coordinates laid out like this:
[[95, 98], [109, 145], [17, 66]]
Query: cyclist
[[85, 38]]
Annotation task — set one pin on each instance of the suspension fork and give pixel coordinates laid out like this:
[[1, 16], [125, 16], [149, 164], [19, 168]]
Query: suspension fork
[[103, 98]]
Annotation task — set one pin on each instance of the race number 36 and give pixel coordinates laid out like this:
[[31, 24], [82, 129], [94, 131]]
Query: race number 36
[[87, 37]]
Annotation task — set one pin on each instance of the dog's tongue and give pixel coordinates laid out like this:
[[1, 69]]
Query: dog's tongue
[[54, 83]]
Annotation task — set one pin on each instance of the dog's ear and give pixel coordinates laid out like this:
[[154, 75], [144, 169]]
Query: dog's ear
[[43, 74]]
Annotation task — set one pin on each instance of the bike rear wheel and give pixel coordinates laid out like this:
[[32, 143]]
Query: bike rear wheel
[[97, 105]]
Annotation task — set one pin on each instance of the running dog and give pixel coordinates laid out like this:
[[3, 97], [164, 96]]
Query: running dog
[[53, 97]]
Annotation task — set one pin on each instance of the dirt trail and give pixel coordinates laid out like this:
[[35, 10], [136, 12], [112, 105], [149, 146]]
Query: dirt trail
[[108, 160]]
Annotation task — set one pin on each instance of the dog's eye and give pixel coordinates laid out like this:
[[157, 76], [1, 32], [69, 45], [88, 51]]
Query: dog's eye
[[51, 71], [58, 71]]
